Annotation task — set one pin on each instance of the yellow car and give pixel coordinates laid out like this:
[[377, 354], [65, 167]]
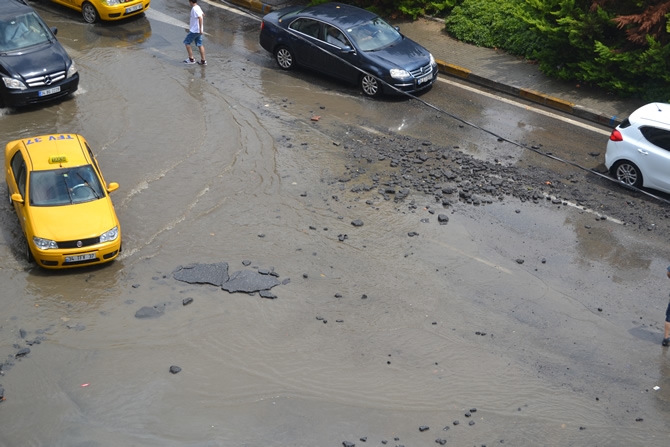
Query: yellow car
[[62, 201], [94, 10]]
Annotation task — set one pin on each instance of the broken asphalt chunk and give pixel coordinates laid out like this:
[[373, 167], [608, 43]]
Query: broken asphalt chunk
[[215, 274]]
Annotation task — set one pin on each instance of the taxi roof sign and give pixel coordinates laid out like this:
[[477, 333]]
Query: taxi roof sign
[[57, 159]]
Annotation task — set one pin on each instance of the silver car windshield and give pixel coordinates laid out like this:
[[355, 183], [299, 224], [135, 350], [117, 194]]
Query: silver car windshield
[[374, 35], [64, 186], [23, 31]]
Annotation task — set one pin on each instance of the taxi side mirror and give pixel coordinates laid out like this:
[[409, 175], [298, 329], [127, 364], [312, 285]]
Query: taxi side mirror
[[16, 197], [112, 187]]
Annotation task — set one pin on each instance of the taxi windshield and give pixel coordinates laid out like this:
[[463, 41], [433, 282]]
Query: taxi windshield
[[23, 31], [64, 186]]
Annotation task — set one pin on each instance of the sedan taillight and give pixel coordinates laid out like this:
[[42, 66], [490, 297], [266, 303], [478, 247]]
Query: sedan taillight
[[616, 136], [262, 25]]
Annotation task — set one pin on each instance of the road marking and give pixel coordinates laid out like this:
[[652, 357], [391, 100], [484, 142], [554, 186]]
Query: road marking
[[527, 107]]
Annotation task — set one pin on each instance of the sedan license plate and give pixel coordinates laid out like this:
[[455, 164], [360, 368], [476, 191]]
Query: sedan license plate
[[133, 8], [84, 257], [424, 79], [49, 91]]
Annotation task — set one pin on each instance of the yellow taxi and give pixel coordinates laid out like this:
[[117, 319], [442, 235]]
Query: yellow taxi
[[62, 201], [94, 10]]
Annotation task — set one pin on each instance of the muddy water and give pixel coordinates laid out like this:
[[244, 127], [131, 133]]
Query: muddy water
[[218, 165]]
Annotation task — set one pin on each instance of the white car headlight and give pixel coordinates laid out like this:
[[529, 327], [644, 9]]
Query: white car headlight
[[72, 70], [432, 60], [13, 83], [398, 73], [110, 235], [44, 244], [112, 2]]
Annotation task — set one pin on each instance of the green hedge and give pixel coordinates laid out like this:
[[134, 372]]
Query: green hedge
[[569, 39]]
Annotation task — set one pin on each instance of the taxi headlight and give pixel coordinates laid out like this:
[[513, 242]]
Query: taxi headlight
[[398, 73], [14, 84], [110, 235], [111, 2], [72, 70], [44, 244]]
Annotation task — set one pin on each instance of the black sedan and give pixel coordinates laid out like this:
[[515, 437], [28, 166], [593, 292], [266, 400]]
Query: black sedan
[[348, 43]]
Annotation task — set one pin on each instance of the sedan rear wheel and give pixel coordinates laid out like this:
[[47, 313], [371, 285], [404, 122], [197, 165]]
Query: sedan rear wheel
[[627, 173], [371, 86], [89, 13], [285, 58]]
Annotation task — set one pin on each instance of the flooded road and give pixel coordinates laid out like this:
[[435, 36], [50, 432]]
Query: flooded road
[[522, 323]]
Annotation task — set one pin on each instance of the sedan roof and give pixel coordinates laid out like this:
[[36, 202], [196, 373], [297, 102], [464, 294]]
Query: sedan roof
[[339, 14]]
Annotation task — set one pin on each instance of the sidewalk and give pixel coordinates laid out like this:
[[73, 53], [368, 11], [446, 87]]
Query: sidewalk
[[497, 70]]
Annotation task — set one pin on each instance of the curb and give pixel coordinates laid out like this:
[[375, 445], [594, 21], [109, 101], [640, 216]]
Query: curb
[[530, 95], [467, 75]]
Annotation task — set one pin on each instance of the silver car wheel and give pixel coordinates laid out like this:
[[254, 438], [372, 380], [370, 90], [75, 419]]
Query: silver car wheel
[[284, 58], [370, 85], [628, 174]]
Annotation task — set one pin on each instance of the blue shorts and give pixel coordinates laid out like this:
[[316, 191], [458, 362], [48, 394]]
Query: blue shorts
[[667, 314], [190, 37]]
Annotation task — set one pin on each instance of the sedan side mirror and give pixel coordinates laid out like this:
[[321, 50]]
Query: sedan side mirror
[[54, 30], [16, 197], [112, 187]]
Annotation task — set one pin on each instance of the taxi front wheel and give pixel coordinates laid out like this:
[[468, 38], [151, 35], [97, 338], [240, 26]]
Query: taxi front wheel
[[29, 254]]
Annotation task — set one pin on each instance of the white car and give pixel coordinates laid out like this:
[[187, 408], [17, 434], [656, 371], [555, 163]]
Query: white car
[[638, 151]]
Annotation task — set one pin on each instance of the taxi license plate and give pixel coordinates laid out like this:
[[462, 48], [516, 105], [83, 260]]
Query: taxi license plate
[[134, 8], [49, 91], [424, 79], [84, 257]]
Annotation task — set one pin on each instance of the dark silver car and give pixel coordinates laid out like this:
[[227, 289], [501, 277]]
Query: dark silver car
[[348, 43]]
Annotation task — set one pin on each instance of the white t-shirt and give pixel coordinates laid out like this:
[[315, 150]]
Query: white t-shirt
[[194, 24]]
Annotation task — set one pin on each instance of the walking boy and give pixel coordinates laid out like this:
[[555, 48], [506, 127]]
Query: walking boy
[[195, 30]]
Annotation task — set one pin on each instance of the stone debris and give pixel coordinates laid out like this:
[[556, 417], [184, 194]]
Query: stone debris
[[150, 312]]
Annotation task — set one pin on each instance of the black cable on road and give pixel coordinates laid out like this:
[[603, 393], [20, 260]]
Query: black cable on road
[[475, 126]]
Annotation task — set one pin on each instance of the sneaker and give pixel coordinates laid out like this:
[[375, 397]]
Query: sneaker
[[189, 61], [202, 62], [666, 342]]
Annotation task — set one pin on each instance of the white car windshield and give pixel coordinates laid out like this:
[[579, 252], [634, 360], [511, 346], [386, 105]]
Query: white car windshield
[[64, 186], [23, 31], [374, 35]]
